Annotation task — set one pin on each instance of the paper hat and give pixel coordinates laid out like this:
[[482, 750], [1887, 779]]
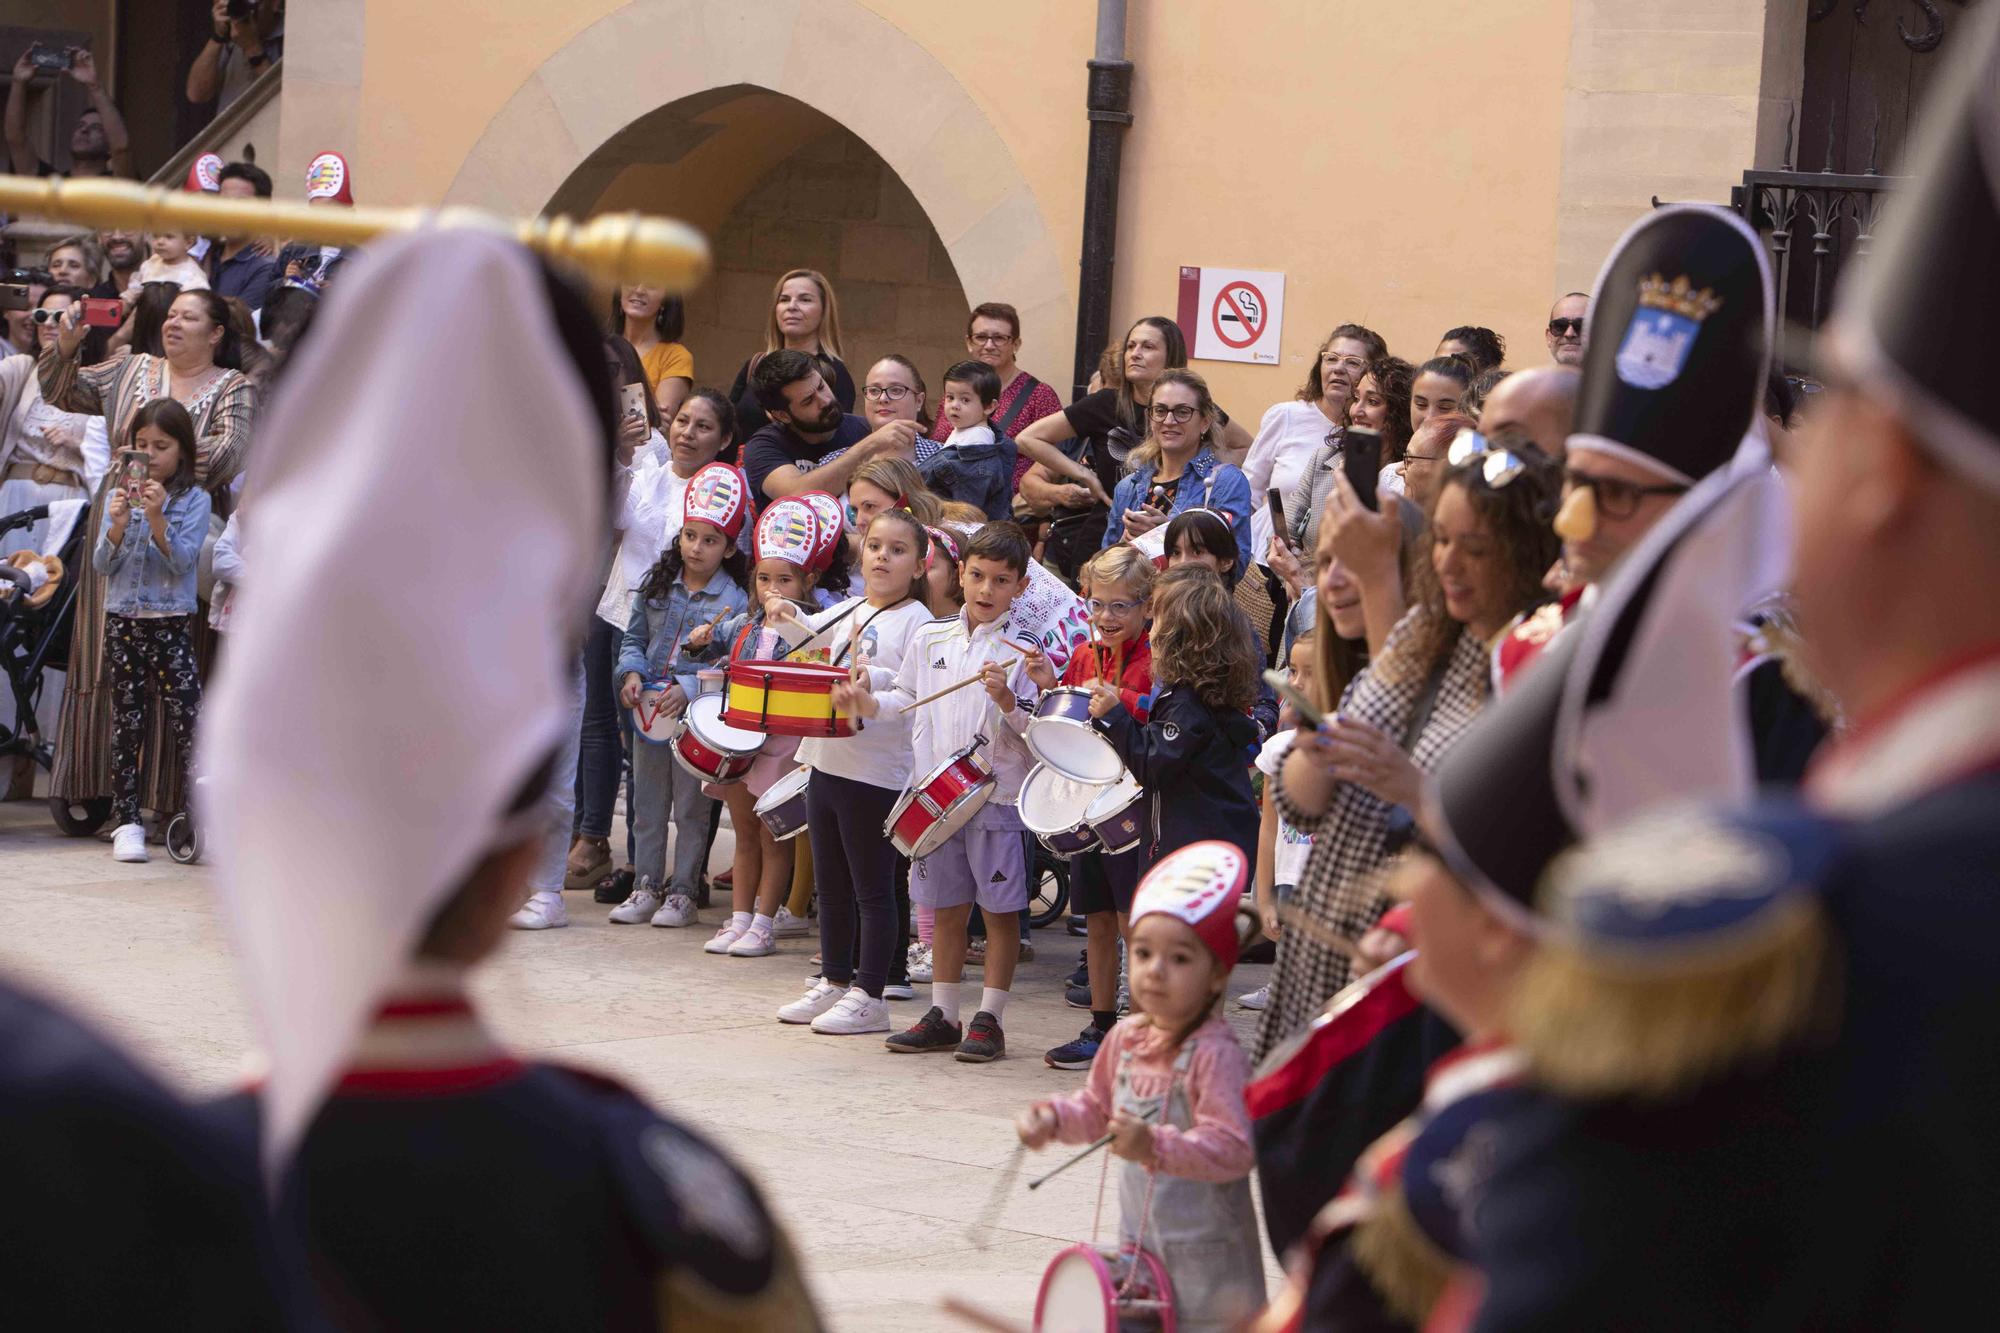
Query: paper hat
[[1905, 327], [789, 531], [1674, 368], [718, 494], [1200, 885], [832, 515], [205, 174], [943, 543], [327, 178]]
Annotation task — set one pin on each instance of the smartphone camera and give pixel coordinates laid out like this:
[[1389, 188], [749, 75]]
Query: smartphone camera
[[240, 10], [51, 60]]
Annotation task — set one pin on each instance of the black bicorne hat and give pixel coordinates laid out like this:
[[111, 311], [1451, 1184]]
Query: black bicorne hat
[[1680, 337], [1914, 328]]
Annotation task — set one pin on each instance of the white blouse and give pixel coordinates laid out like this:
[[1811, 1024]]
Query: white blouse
[[1286, 440]]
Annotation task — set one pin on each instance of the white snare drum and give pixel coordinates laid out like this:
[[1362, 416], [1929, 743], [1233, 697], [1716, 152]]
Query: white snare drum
[[783, 807], [1061, 736], [1080, 1292], [1118, 815], [941, 803], [1052, 807], [650, 721], [710, 748]]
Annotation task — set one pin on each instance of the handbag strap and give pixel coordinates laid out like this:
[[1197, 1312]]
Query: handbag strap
[[1002, 427], [1420, 715]]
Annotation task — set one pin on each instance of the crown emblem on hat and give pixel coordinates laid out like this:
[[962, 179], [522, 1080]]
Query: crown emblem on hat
[[1679, 296]]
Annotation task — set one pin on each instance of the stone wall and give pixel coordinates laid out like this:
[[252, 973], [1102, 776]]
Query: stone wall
[[835, 206]]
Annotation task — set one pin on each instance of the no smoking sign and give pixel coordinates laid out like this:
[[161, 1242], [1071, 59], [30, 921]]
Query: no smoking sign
[[1232, 314]]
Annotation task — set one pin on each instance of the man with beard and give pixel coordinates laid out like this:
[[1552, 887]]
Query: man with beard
[[98, 144], [809, 443], [124, 251]]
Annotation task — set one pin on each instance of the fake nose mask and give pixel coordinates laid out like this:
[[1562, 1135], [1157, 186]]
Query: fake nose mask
[[1576, 521]]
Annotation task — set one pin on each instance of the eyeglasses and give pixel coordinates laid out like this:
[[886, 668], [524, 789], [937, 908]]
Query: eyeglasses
[[1097, 608], [1499, 466], [889, 393], [1180, 413], [1560, 327], [990, 339], [1617, 499]]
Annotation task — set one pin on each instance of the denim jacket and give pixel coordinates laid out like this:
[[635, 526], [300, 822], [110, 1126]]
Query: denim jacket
[[140, 580], [653, 645], [979, 474], [1224, 485]]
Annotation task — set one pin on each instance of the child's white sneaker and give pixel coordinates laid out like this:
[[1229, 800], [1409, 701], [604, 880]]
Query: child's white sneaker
[[784, 925], [644, 900], [856, 1012], [920, 963], [821, 996], [755, 942], [544, 911], [723, 938], [128, 843], [677, 910]]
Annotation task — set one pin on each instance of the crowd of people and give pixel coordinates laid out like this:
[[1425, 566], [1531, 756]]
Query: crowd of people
[[1412, 685]]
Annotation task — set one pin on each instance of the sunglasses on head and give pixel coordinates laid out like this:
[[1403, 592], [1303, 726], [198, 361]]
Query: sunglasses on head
[[1563, 327], [1498, 466]]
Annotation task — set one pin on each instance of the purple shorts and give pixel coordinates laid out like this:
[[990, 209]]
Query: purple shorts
[[985, 862]]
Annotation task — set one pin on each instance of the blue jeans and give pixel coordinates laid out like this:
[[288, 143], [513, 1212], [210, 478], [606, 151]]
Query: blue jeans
[[603, 738], [554, 860]]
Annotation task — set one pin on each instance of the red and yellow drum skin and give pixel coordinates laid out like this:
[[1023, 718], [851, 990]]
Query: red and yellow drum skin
[[786, 699]]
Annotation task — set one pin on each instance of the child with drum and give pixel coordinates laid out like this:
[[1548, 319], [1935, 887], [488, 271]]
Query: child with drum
[[1166, 1089], [1192, 753], [698, 580], [786, 545], [1118, 589], [856, 780], [967, 744]]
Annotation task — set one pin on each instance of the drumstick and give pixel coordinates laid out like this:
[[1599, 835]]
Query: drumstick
[[996, 1199], [949, 689], [1104, 1142], [714, 620]]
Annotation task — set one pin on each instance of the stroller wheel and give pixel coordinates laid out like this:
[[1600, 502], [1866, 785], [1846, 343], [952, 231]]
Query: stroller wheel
[[80, 819], [183, 839]]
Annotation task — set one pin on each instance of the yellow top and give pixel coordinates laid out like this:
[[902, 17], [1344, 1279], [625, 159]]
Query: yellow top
[[667, 361]]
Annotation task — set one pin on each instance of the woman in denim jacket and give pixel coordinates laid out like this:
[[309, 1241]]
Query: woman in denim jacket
[[149, 599], [1176, 470]]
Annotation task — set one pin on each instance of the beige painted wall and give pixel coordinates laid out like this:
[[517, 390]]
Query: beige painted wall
[[1412, 168]]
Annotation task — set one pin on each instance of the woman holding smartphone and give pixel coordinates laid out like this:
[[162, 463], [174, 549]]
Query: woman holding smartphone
[[1176, 469], [46, 454]]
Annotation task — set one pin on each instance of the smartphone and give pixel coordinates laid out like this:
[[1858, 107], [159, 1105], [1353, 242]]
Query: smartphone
[[1274, 500], [240, 9], [51, 59], [134, 467], [103, 312], [1361, 459], [1292, 695], [632, 398], [13, 296]]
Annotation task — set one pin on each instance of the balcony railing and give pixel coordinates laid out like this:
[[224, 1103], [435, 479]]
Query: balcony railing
[[1814, 222]]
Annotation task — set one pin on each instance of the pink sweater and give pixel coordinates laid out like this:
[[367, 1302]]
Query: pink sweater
[[1217, 1148]]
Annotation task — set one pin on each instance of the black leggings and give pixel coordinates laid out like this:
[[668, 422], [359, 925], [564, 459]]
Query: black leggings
[[154, 655], [854, 870]]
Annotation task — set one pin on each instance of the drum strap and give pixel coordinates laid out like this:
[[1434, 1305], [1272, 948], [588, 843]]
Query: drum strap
[[807, 642], [855, 637]]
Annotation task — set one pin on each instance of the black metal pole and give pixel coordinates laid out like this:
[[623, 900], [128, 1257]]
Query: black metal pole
[[1109, 106]]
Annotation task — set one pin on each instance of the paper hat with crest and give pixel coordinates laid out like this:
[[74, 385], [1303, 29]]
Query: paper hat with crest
[[206, 173], [1910, 325], [832, 515], [720, 495], [1673, 370], [788, 531], [329, 178], [1200, 885]]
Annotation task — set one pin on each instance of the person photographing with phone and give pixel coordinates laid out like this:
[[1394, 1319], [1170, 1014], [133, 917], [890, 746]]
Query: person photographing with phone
[[1176, 469], [46, 454], [246, 37], [98, 143]]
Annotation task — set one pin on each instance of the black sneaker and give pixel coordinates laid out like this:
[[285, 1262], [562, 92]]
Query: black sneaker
[[614, 888], [1081, 977], [1077, 997], [983, 1040], [932, 1033], [1077, 926], [1076, 1054]]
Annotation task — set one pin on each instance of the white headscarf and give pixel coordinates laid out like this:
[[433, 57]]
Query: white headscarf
[[373, 721]]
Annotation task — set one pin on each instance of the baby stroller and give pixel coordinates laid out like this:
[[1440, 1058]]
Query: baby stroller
[[34, 638]]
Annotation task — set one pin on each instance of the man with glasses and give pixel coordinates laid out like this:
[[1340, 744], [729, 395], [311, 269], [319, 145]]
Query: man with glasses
[[1565, 330]]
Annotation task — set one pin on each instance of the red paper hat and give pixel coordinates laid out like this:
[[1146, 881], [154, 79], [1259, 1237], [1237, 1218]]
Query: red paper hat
[[718, 494], [832, 515], [789, 531], [206, 173], [1200, 885], [328, 178]]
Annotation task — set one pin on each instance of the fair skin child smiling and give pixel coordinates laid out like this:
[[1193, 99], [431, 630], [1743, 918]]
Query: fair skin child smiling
[[1176, 980], [163, 460], [703, 549]]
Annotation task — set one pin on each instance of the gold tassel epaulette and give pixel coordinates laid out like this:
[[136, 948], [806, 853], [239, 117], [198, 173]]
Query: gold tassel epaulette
[[1408, 1270], [1774, 632]]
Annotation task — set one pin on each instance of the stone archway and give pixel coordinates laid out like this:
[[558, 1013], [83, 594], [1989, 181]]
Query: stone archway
[[838, 58]]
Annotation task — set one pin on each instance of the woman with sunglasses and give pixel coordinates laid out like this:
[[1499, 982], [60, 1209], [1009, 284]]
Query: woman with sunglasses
[[1176, 468], [1358, 778]]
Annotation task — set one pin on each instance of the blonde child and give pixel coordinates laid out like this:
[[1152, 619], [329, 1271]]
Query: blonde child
[[856, 780], [786, 547], [1118, 588], [698, 579], [1167, 1085], [149, 599], [1281, 849]]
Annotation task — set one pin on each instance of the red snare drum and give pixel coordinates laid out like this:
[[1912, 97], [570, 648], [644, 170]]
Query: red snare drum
[[786, 699], [941, 803], [709, 748], [1081, 1289]]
